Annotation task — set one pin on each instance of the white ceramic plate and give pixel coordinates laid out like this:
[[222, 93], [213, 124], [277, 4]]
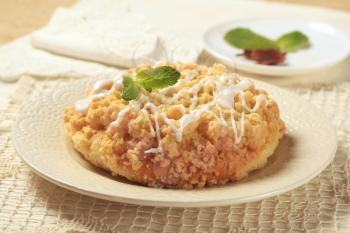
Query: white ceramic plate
[[40, 140], [328, 46]]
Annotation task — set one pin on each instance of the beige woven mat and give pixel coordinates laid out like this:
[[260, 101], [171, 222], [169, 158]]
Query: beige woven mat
[[28, 203]]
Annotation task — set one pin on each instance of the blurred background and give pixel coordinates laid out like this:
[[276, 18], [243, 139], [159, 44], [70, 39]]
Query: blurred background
[[20, 17]]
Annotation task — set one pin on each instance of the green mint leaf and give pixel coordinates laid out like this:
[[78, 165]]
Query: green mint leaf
[[292, 41], [130, 89], [159, 77], [149, 79], [147, 88], [245, 38]]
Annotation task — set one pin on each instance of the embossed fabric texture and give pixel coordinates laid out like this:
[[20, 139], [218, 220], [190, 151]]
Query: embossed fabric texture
[[29, 203]]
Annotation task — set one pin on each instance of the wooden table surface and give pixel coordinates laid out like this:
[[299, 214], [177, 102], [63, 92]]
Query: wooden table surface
[[20, 17]]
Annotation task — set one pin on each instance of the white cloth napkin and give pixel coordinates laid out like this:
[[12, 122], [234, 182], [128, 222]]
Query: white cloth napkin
[[20, 58], [111, 32]]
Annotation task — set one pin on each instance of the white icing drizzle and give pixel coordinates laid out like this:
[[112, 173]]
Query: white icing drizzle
[[242, 129], [135, 104], [217, 118], [99, 92], [222, 119], [153, 151], [98, 87], [132, 104], [191, 74], [224, 95], [121, 116], [191, 117], [172, 125], [154, 109], [83, 105], [234, 127], [258, 101], [117, 83], [145, 113]]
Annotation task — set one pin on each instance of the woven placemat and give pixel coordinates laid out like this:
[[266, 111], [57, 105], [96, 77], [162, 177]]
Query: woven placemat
[[29, 203]]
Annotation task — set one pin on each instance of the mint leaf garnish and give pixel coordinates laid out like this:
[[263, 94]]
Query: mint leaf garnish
[[130, 89], [292, 41], [149, 79], [262, 49], [159, 77], [245, 38]]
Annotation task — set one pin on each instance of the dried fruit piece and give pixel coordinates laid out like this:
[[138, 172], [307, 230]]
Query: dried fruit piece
[[265, 56]]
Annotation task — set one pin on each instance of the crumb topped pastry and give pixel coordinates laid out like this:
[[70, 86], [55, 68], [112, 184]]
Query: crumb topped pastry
[[207, 127]]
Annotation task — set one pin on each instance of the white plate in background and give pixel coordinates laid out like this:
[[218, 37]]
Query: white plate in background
[[328, 46]]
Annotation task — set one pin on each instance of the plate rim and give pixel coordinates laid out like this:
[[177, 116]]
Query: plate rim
[[277, 70], [180, 203]]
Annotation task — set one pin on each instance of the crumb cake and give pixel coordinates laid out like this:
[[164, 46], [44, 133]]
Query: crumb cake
[[209, 128]]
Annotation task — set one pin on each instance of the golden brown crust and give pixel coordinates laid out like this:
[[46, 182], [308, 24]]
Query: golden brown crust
[[207, 154]]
